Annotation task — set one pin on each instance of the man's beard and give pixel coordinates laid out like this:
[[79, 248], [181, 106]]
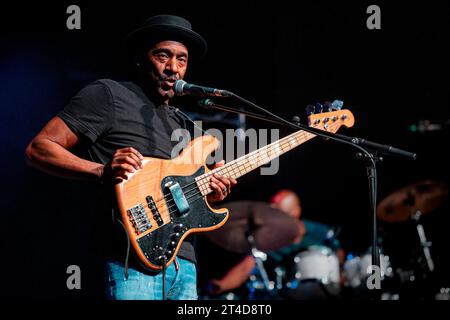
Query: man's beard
[[168, 94], [163, 88]]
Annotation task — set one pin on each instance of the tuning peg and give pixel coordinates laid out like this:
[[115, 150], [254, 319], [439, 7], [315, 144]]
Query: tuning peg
[[337, 105], [309, 109], [327, 106]]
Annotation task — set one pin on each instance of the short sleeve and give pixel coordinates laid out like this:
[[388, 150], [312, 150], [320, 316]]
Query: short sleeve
[[90, 112]]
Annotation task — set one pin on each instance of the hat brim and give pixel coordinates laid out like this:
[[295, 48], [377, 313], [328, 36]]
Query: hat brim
[[147, 36]]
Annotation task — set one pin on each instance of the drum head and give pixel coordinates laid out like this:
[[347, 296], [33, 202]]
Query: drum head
[[318, 263]]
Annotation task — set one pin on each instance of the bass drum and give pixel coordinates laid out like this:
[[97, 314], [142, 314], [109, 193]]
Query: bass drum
[[317, 275]]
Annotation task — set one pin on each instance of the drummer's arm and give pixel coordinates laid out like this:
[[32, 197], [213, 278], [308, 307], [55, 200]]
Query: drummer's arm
[[301, 232], [236, 276], [341, 255]]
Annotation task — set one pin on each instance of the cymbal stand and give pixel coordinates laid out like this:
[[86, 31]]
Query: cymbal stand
[[423, 241], [260, 257]]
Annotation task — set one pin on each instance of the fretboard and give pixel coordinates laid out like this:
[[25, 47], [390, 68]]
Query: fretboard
[[254, 160]]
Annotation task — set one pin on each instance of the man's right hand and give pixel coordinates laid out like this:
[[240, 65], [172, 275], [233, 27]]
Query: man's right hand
[[123, 162]]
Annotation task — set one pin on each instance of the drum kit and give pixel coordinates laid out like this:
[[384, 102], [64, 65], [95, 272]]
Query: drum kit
[[315, 272]]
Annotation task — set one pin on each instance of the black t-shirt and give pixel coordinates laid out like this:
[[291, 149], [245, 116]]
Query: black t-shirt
[[108, 115]]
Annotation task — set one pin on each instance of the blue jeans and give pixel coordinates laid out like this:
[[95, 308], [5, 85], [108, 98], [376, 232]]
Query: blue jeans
[[181, 282]]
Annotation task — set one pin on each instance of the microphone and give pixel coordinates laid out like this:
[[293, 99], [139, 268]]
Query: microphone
[[181, 88], [428, 125]]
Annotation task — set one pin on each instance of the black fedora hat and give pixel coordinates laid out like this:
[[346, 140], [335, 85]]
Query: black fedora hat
[[167, 27]]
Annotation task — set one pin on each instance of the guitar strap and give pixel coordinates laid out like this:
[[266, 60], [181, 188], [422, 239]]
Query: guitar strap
[[183, 116], [127, 257]]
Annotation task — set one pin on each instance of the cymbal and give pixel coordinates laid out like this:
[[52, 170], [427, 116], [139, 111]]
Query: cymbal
[[424, 197], [272, 228]]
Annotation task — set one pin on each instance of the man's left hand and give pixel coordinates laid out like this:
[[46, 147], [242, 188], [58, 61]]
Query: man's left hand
[[220, 185]]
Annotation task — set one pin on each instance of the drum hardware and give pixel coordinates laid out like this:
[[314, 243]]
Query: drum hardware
[[411, 203], [444, 294], [426, 245], [405, 276], [390, 296], [260, 257], [280, 273], [385, 266], [256, 231], [357, 269], [317, 268]]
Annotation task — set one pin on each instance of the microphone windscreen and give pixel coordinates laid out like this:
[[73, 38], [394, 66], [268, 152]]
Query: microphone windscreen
[[178, 87]]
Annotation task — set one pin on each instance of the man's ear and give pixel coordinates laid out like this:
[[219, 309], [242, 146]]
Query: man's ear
[[140, 58], [138, 61]]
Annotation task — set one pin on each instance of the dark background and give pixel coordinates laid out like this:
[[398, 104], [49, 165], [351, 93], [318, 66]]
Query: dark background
[[278, 55]]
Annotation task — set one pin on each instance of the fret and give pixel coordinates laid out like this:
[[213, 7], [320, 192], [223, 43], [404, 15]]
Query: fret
[[238, 167], [225, 171], [234, 173]]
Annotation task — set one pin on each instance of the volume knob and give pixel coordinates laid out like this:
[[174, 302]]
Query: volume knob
[[178, 227], [175, 235]]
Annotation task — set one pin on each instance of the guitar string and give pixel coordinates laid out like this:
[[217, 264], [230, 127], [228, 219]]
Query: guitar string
[[203, 182], [209, 173], [253, 153], [167, 210]]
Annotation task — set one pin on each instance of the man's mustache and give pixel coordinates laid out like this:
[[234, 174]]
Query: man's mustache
[[164, 77]]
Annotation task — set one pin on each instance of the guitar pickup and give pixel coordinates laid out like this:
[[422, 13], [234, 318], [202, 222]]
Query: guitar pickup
[[178, 196], [154, 209], [138, 218]]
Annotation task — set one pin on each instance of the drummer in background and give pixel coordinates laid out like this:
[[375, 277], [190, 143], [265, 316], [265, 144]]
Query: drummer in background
[[310, 233]]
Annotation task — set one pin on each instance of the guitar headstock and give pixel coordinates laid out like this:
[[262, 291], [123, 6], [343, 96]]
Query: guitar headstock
[[332, 121]]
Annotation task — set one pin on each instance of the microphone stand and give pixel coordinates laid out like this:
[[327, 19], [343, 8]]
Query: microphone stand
[[369, 153]]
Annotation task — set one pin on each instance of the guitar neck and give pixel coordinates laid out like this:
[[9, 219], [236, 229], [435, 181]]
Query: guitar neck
[[255, 159]]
